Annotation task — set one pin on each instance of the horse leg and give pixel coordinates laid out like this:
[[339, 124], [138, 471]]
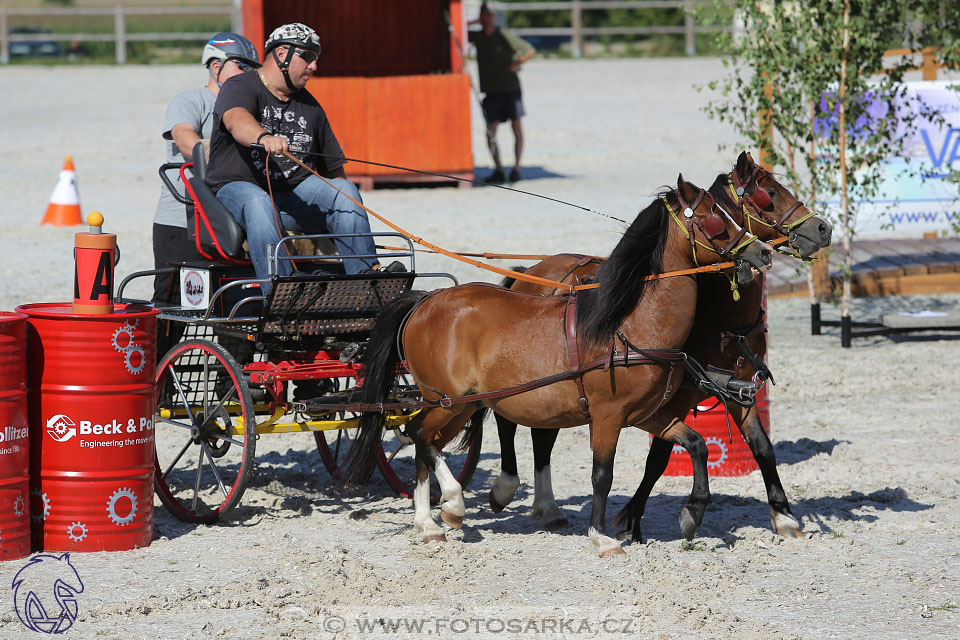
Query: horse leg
[[423, 520], [628, 520], [691, 515], [452, 507], [437, 422], [544, 503], [506, 485], [604, 451], [781, 517]]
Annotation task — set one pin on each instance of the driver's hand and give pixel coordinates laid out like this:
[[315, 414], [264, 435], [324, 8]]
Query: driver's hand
[[275, 144]]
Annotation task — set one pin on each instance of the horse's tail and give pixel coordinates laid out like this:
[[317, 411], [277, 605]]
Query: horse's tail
[[380, 359], [473, 432], [507, 282]]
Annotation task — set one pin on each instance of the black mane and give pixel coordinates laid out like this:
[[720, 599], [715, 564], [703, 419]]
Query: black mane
[[720, 190], [621, 277]]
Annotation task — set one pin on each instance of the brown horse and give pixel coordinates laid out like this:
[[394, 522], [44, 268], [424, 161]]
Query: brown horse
[[726, 334], [478, 339]]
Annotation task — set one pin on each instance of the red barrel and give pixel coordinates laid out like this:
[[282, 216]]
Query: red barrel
[[14, 439], [91, 400], [724, 458]]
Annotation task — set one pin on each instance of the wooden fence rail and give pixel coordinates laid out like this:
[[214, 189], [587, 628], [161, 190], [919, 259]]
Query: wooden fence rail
[[120, 36], [576, 31]]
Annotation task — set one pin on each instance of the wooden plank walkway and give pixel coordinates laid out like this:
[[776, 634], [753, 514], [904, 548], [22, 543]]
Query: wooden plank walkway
[[880, 267]]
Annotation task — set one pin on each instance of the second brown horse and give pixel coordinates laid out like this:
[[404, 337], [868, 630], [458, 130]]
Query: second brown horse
[[726, 333]]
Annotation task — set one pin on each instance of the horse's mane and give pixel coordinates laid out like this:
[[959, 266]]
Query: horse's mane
[[721, 193], [621, 277]]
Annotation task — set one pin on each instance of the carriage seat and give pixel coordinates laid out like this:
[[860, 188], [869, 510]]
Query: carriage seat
[[213, 227], [220, 235]]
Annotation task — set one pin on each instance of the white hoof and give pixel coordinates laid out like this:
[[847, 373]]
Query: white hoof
[[550, 514], [786, 526], [430, 531], [605, 546], [503, 491]]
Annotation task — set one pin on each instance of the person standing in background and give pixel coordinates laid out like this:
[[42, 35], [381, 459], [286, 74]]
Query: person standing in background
[[500, 54]]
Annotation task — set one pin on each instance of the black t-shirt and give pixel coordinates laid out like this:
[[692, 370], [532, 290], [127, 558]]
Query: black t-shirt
[[301, 120]]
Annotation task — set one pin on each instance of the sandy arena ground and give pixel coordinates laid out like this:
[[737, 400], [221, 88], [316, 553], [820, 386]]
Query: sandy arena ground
[[865, 437]]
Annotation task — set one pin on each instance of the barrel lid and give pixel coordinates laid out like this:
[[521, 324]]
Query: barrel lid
[[8, 316], [56, 310]]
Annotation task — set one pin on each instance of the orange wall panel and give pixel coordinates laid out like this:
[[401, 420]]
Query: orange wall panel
[[422, 122]]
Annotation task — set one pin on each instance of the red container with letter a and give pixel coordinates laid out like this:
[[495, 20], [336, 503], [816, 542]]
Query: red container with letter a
[[91, 404], [14, 450]]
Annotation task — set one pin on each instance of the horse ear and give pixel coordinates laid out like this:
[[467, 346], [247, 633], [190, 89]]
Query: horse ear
[[686, 190], [743, 162]]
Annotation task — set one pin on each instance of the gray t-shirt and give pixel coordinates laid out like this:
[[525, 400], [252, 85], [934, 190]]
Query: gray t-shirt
[[194, 108]]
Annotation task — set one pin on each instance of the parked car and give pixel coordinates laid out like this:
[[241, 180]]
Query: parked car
[[41, 47]]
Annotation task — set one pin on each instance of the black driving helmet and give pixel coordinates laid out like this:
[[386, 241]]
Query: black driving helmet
[[299, 37]]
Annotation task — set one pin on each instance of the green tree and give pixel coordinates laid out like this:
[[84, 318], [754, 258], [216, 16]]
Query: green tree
[[823, 59]]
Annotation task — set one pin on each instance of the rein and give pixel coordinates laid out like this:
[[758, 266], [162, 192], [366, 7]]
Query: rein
[[544, 282]]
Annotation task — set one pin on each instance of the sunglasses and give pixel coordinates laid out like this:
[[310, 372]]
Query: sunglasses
[[308, 55], [243, 64]]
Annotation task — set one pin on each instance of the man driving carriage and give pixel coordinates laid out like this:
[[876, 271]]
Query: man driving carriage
[[272, 108]]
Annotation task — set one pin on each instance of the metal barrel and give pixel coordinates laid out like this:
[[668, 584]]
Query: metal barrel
[[726, 456], [14, 439], [91, 399]]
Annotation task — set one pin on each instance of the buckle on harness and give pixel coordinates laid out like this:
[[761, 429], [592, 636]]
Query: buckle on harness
[[445, 401], [584, 406]]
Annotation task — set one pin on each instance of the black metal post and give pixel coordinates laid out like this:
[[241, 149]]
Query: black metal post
[[846, 332], [815, 319]]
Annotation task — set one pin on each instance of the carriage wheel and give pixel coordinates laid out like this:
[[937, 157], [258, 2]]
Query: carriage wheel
[[334, 444], [205, 430], [397, 464]]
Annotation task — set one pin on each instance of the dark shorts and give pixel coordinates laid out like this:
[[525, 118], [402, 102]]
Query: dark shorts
[[500, 107]]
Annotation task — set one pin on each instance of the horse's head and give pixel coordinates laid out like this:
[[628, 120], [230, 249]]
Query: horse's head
[[769, 210], [714, 235]]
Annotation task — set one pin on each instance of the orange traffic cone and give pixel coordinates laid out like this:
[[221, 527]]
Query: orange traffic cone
[[64, 207]]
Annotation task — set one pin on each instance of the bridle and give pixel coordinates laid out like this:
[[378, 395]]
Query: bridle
[[754, 204], [710, 227]]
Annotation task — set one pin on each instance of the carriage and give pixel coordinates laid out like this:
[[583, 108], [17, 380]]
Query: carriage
[[238, 365]]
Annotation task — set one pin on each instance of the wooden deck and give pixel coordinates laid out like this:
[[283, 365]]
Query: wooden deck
[[880, 267]]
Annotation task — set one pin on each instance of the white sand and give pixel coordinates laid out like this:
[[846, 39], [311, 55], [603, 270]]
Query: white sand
[[866, 437]]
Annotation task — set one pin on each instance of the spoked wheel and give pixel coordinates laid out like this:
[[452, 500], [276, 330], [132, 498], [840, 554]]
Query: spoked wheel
[[205, 430], [397, 463]]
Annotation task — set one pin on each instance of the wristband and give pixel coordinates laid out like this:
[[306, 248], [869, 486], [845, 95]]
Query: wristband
[[260, 137]]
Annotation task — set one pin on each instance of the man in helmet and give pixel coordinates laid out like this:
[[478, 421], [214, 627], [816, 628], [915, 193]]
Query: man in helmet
[[189, 118], [259, 116]]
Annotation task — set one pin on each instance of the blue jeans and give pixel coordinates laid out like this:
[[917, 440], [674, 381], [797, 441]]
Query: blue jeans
[[311, 207]]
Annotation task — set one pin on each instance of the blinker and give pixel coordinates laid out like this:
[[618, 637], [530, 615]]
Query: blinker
[[713, 225], [760, 198]]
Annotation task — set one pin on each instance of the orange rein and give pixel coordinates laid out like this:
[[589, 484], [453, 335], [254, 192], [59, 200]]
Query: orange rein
[[462, 257]]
